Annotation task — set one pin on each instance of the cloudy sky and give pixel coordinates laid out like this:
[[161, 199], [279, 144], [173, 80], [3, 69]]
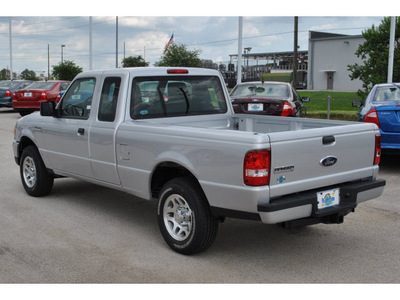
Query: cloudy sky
[[213, 30]]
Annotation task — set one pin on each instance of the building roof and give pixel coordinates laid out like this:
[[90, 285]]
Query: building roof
[[316, 35]]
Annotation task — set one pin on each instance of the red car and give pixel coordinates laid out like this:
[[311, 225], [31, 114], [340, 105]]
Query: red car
[[28, 100], [268, 98]]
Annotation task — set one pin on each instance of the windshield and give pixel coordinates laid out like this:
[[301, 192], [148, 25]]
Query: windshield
[[388, 93], [261, 90], [154, 97]]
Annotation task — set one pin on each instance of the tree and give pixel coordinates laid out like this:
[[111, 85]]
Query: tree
[[28, 75], [5, 74], [375, 55], [179, 56], [66, 70], [134, 61]]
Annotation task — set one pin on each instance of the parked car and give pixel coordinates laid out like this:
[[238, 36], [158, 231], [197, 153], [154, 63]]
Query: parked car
[[7, 89], [28, 100], [268, 98], [382, 107]]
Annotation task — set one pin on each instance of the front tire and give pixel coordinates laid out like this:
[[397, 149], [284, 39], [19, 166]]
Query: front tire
[[34, 176], [184, 217]]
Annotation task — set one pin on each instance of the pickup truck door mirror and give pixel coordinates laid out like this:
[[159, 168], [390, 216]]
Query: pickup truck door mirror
[[47, 109]]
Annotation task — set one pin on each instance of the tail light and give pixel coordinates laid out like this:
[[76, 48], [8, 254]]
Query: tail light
[[178, 71], [58, 98], [377, 157], [372, 117], [8, 93], [44, 96], [287, 110], [256, 167]]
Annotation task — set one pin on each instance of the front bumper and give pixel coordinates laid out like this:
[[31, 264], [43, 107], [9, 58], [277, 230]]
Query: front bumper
[[305, 204]]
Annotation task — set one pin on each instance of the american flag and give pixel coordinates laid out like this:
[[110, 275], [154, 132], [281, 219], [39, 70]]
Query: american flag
[[171, 40]]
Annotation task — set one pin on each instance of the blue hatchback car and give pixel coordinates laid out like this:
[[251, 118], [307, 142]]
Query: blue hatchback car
[[382, 107]]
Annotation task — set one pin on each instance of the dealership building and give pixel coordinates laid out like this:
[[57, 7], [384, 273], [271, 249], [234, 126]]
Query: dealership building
[[328, 57]]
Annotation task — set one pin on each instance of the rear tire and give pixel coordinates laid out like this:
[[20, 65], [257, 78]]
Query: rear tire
[[184, 217], [34, 176]]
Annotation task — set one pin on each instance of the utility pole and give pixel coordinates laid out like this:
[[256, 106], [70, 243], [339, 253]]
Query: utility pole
[[239, 64], [11, 66], [296, 22], [391, 49], [90, 45], [62, 54], [116, 43], [48, 61]]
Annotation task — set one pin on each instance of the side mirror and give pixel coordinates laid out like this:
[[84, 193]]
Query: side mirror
[[357, 103], [47, 109], [305, 99]]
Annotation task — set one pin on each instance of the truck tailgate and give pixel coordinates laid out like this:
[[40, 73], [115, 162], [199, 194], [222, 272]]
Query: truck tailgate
[[315, 158]]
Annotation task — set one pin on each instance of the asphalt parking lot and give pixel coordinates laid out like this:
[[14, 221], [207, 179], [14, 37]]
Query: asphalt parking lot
[[82, 233]]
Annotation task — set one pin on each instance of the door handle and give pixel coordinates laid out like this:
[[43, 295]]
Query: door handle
[[81, 131]]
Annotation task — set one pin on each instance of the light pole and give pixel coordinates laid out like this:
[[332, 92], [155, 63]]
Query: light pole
[[62, 53]]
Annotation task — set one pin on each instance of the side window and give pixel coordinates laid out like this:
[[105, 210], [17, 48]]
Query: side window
[[77, 101], [63, 86], [296, 96], [109, 99]]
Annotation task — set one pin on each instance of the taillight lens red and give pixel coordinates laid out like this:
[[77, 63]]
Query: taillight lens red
[[256, 169], [8, 93], [44, 96], [378, 149], [287, 110], [372, 117]]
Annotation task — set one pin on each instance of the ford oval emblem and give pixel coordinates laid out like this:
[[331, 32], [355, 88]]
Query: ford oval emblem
[[328, 161]]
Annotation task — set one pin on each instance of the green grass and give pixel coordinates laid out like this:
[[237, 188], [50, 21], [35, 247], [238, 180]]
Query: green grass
[[341, 105], [282, 77]]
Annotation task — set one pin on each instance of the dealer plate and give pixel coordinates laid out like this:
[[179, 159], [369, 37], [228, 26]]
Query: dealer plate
[[255, 107], [328, 198]]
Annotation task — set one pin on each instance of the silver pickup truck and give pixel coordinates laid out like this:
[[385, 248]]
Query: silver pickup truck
[[170, 134]]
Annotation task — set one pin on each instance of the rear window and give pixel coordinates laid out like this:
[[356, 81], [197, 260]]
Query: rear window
[[264, 90], [390, 93], [155, 97], [39, 85], [5, 83]]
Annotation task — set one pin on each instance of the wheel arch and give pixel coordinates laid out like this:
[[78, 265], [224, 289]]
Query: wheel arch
[[23, 143], [166, 171]]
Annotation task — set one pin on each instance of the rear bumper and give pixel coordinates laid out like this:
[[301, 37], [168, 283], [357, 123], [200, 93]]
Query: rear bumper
[[390, 140], [305, 204], [6, 102], [25, 105]]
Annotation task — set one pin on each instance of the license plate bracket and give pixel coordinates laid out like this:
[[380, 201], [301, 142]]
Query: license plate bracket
[[328, 198]]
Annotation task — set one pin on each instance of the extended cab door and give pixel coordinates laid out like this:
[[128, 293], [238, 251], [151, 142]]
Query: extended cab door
[[65, 138], [103, 129]]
